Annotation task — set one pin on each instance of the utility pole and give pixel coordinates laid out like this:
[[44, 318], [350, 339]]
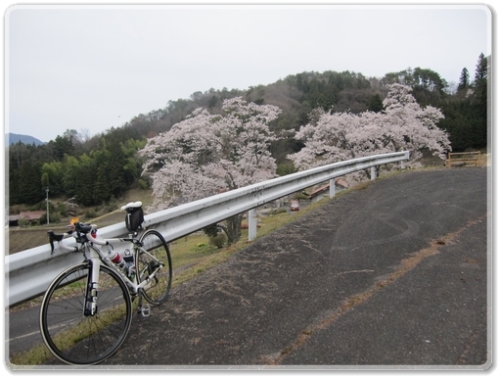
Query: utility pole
[[47, 199]]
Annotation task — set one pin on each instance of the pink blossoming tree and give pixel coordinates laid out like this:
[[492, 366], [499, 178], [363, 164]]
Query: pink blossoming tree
[[207, 154], [403, 126]]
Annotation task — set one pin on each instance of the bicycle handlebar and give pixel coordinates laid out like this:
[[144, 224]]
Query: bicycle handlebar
[[95, 240], [80, 228], [53, 237]]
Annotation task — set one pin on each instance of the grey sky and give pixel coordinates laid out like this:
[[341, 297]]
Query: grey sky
[[96, 67]]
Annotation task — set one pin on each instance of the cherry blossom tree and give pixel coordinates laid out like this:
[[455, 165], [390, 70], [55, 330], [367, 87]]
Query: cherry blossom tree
[[207, 154], [402, 126]]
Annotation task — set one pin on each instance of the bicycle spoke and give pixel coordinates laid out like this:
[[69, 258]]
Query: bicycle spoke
[[155, 264], [78, 339]]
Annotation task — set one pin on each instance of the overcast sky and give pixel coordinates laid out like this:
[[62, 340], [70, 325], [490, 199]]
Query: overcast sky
[[96, 67]]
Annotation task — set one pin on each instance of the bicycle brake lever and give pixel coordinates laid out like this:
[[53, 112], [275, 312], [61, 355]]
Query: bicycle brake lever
[[54, 237]]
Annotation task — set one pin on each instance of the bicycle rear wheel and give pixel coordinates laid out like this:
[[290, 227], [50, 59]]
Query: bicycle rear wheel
[[154, 254], [76, 338]]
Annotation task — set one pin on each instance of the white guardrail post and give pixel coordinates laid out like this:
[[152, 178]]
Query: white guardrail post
[[332, 188], [252, 224], [28, 273]]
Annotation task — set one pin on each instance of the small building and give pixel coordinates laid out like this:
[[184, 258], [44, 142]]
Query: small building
[[29, 216]]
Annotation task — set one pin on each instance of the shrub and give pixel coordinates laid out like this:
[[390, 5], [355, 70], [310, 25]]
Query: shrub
[[143, 184], [22, 222], [53, 218], [218, 241], [62, 209], [90, 214]]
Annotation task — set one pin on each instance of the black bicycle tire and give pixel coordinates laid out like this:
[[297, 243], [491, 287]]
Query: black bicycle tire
[[168, 259], [89, 343]]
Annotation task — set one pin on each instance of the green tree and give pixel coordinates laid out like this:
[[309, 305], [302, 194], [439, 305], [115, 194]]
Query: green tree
[[45, 180], [85, 179], [376, 104], [115, 169], [71, 166], [481, 70], [466, 118], [463, 82], [480, 103], [30, 183], [101, 191], [133, 163], [54, 174], [61, 146]]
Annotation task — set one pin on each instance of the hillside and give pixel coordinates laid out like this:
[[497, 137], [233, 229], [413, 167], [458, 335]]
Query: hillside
[[12, 138], [105, 166]]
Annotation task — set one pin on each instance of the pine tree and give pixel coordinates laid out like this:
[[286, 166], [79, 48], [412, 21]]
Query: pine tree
[[464, 80], [481, 70], [480, 104]]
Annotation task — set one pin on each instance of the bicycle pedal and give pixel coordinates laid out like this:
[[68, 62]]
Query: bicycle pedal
[[146, 310]]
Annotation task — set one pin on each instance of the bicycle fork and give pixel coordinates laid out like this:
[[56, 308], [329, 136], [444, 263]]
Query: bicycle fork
[[90, 303]]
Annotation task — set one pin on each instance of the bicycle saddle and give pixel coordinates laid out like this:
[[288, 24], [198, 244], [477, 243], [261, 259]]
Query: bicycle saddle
[[132, 206]]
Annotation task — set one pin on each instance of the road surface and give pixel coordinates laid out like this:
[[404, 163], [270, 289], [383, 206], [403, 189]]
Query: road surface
[[395, 274]]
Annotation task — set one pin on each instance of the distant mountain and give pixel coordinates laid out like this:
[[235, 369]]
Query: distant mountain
[[12, 138]]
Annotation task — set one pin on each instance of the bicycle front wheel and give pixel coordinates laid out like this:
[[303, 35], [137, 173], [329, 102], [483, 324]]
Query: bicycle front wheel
[[71, 334], [154, 259]]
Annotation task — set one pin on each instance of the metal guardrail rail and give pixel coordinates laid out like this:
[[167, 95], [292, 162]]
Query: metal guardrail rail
[[29, 273]]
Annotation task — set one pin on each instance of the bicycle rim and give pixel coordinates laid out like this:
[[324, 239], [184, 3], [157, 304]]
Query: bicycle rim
[[78, 339], [153, 252]]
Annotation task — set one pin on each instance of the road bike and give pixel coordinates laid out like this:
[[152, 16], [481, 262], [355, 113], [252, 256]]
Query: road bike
[[86, 312]]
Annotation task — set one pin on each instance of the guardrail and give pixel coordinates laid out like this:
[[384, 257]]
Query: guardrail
[[29, 273]]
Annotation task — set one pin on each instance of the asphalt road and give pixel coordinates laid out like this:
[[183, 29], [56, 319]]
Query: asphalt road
[[394, 275]]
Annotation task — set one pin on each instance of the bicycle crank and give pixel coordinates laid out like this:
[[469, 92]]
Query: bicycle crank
[[146, 310]]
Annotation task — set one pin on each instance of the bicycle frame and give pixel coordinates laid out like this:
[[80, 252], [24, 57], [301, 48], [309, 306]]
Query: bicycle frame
[[91, 248], [134, 285]]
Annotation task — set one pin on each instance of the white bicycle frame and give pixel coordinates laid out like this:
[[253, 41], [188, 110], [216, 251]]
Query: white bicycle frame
[[96, 257]]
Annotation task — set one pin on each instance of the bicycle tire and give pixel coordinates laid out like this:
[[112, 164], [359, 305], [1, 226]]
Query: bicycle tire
[[85, 340], [156, 291]]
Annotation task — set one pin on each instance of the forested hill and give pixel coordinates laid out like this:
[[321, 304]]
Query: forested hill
[[12, 138], [106, 165]]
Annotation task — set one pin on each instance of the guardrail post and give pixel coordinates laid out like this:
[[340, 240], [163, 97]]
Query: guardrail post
[[332, 188], [252, 224], [373, 174]]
